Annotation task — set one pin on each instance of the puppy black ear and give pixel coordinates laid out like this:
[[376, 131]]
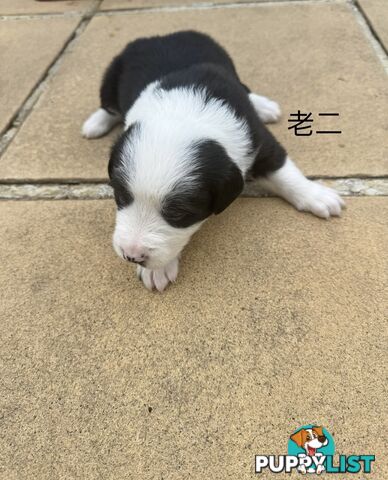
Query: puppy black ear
[[118, 169], [220, 175], [228, 187]]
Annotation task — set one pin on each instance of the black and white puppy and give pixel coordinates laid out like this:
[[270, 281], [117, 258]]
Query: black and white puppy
[[193, 134]]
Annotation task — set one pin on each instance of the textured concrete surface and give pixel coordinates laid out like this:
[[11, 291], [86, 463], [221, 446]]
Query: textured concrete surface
[[27, 47], [18, 7], [308, 57], [262, 333], [377, 14], [278, 319]]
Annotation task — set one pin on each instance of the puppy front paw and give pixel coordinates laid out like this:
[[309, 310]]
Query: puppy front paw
[[322, 201], [161, 278]]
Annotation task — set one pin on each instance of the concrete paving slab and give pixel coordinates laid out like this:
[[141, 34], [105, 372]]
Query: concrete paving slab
[[262, 333], [123, 4], [296, 54], [21, 7], [27, 47], [377, 14]]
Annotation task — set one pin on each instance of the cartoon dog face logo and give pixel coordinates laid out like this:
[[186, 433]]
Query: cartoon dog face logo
[[310, 439]]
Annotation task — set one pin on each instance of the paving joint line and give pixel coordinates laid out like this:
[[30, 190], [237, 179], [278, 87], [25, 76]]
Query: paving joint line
[[13, 126], [193, 6], [42, 15], [94, 7], [215, 6], [349, 187], [104, 180], [370, 33]]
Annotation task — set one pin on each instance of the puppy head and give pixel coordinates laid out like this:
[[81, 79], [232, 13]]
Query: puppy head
[[164, 191]]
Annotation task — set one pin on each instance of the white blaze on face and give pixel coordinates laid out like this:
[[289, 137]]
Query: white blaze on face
[[140, 225]]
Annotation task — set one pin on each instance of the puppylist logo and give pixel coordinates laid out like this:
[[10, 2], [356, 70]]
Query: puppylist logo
[[311, 450]]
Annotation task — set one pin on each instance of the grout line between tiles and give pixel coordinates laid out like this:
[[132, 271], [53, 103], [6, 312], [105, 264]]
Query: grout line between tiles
[[41, 16], [370, 187], [166, 8], [104, 180], [370, 33], [87, 12], [216, 6]]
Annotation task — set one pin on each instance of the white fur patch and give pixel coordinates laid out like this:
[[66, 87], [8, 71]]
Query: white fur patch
[[99, 123], [171, 120], [160, 278], [142, 224], [289, 183], [268, 110]]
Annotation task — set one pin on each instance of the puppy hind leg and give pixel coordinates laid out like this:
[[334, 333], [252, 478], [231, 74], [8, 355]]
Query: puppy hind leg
[[99, 123], [268, 110], [289, 183]]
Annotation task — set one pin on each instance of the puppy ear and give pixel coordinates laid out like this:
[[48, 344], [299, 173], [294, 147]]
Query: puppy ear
[[299, 438], [228, 187], [119, 169], [116, 154], [220, 175]]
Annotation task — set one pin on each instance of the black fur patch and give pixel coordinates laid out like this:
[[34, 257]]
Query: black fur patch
[[119, 179], [219, 182], [148, 59], [225, 86]]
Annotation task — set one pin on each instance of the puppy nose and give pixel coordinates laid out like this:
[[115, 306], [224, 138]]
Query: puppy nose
[[135, 254], [139, 259], [322, 439]]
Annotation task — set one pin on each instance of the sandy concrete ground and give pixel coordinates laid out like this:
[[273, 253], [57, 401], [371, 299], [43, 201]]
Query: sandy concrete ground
[[278, 319], [29, 46], [102, 379]]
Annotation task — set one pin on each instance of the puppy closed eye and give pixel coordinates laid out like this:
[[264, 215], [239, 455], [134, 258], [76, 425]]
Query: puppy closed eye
[[179, 217]]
